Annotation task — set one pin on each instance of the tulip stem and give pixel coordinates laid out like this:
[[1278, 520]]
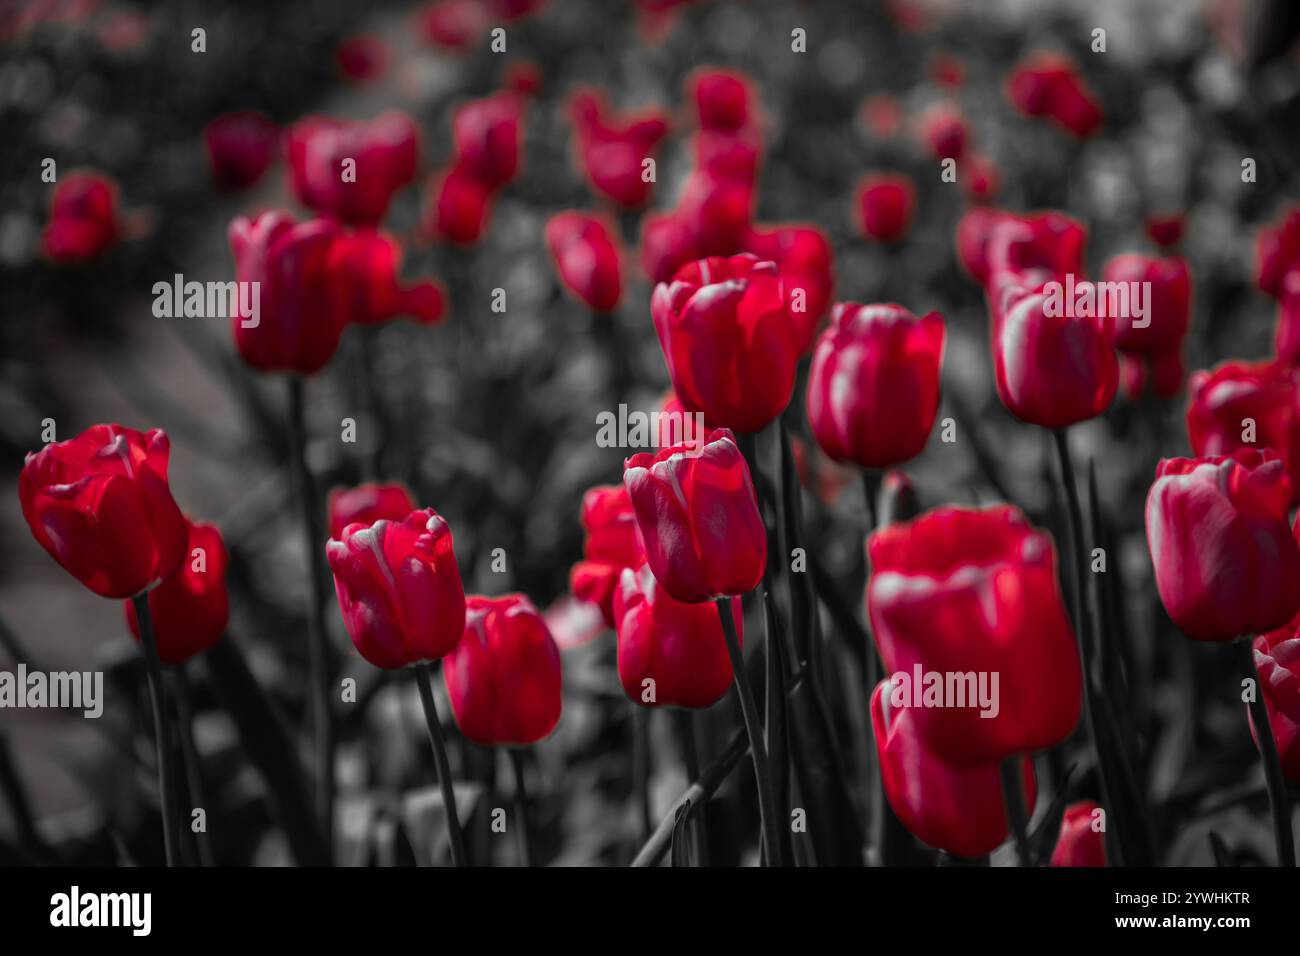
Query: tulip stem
[[1014, 800], [317, 649], [1277, 795], [870, 492], [754, 729], [190, 754], [521, 804], [685, 722], [166, 772], [423, 679], [641, 769]]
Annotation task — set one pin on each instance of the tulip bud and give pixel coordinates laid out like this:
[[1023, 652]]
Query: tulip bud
[[488, 138], [722, 99], [670, 652], [399, 589], [974, 593], [366, 504], [586, 259], [241, 147], [1226, 563], [885, 203], [302, 307], [613, 544], [957, 809], [698, 517], [873, 390], [101, 506], [503, 678], [189, 609], [1047, 85], [83, 218], [728, 340], [459, 207], [1081, 843]]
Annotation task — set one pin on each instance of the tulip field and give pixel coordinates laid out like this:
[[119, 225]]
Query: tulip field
[[652, 433]]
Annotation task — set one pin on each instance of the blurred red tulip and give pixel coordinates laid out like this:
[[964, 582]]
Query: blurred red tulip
[[698, 518], [957, 809], [399, 588], [612, 544], [453, 24], [729, 342], [611, 149], [882, 115], [1052, 370], [667, 244], [716, 213], [366, 504], [944, 132], [885, 205], [84, 218], [1277, 252], [1080, 842], [947, 70], [1226, 562], [1287, 337], [361, 58], [503, 678], [101, 506], [974, 593], [723, 99], [1167, 230], [803, 257], [384, 152], [368, 263], [669, 652], [302, 306], [1048, 85], [241, 147], [586, 258], [189, 609], [1169, 314], [459, 207], [1277, 659], [980, 178], [873, 390], [488, 138], [1245, 405]]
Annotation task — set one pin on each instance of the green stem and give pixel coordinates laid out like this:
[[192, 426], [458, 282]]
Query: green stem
[[1014, 800], [166, 772], [317, 649], [190, 754], [1277, 796], [754, 729], [423, 676]]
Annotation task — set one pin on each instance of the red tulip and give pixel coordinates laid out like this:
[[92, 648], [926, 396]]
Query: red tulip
[[1169, 312], [698, 518], [83, 218], [302, 307], [717, 212], [722, 99], [1226, 563], [944, 131], [1277, 659], [980, 178], [1277, 252], [399, 589], [974, 592], [459, 207], [611, 149], [873, 390], [729, 155], [100, 505], [453, 24], [366, 504], [1080, 843], [885, 205], [1166, 230], [586, 259], [1052, 370], [1050, 86], [729, 342], [369, 262], [1049, 242], [503, 678], [488, 137], [667, 245], [361, 58], [385, 151], [803, 257], [1287, 339], [613, 544], [958, 809], [679, 647], [241, 147], [1244, 405], [190, 609]]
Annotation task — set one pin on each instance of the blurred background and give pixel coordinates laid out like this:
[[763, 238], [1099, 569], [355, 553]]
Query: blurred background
[[490, 417]]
